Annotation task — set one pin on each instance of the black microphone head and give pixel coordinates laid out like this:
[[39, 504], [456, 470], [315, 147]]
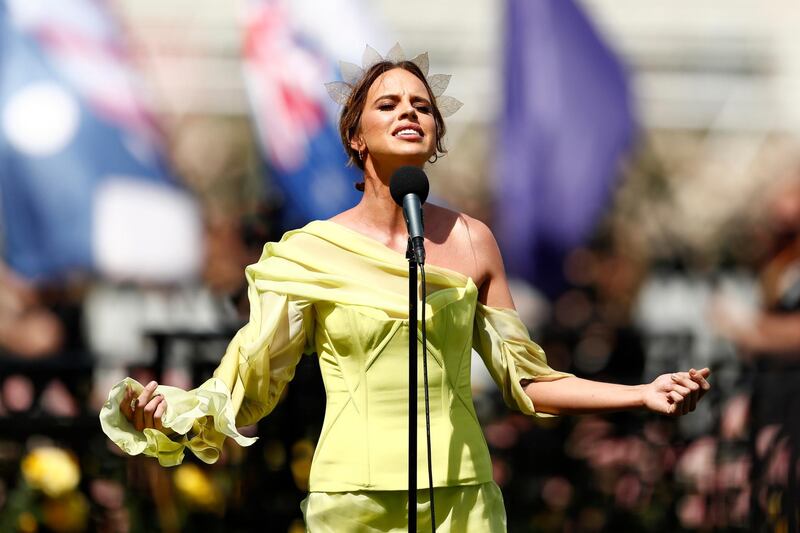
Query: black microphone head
[[409, 180]]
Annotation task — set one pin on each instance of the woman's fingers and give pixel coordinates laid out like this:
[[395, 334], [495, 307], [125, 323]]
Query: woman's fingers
[[159, 412], [125, 405], [150, 409], [685, 380], [138, 416], [683, 383], [145, 409], [688, 405], [696, 381], [684, 391], [147, 393], [699, 377], [676, 398], [139, 404]]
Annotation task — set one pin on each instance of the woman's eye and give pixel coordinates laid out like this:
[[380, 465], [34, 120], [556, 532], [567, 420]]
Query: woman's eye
[[424, 109], [385, 107]]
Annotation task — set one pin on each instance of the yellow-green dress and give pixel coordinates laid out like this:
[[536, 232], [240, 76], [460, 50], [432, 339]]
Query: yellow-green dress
[[329, 290]]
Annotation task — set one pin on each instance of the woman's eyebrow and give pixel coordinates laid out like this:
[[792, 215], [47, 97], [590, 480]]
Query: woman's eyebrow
[[388, 96], [395, 98]]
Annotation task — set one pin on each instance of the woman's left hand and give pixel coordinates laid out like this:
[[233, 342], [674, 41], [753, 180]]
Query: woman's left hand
[[677, 393]]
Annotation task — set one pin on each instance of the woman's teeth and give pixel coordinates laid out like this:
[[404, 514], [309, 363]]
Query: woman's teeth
[[407, 132]]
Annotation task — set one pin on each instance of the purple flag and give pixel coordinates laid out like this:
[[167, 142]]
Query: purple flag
[[565, 123]]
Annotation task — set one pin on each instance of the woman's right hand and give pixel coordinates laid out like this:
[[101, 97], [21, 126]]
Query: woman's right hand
[[144, 410]]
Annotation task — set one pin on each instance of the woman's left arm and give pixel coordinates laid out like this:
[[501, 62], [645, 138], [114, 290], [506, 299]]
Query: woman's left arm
[[670, 394]]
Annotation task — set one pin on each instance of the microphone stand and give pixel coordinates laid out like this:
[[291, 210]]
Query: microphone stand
[[412, 388]]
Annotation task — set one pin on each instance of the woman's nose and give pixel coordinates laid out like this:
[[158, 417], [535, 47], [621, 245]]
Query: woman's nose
[[408, 111]]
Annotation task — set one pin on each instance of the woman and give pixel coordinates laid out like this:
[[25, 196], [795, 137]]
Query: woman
[[339, 288], [769, 342]]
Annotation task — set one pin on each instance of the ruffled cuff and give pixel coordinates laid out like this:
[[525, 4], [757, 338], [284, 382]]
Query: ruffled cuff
[[201, 419], [511, 356]]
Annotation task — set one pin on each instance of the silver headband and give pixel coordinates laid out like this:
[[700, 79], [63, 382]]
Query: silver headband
[[340, 91]]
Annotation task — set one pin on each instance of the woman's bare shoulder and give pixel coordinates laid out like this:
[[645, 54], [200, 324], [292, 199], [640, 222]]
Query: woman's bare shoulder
[[458, 226], [489, 276]]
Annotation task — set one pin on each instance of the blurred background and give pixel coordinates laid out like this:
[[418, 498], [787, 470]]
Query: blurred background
[[638, 161]]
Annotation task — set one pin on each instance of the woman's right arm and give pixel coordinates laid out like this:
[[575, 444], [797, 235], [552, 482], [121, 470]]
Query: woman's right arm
[[161, 421]]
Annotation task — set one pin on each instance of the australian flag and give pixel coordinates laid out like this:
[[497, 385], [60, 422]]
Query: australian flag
[[285, 70], [83, 184]]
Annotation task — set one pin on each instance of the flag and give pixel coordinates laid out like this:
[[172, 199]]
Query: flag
[[286, 63], [566, 121], [83, 183]]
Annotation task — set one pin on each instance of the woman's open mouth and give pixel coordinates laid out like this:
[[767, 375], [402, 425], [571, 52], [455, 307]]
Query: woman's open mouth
[[410, 133]]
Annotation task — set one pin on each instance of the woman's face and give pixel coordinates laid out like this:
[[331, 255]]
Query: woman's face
[[397, 121]]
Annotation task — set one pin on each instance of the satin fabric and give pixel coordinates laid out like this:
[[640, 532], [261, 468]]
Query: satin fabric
[[458, 509], [330, 290]]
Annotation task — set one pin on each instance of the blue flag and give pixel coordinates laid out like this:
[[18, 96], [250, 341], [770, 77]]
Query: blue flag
[[82, 182], [565, 123]]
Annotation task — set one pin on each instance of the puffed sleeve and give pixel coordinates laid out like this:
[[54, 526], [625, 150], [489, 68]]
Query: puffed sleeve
[[503, 342], [258, 363]]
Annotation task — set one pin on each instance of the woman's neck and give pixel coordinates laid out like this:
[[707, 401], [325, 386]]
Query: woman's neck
[[377, 209]]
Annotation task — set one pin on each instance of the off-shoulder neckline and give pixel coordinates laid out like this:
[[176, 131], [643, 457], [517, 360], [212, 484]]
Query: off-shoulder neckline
[[446, 272]]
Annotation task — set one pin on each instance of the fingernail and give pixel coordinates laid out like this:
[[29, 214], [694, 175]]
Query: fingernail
[[152, 384]]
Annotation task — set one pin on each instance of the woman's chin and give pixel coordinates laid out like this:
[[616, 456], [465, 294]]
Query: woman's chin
[[412, 155]]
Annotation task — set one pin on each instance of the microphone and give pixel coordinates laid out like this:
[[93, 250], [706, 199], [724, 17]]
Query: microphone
[[409, 187]]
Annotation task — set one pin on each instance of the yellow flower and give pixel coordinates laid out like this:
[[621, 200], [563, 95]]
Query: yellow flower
[[274, 454], [51, 470], [302, 453], [195, 486], [26, 523], [297, 526], [66, 514]]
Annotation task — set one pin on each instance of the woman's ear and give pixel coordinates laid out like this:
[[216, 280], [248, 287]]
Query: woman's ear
[[357, 143]]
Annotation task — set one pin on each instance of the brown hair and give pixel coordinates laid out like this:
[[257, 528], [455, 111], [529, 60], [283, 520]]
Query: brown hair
[[353, 109]]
